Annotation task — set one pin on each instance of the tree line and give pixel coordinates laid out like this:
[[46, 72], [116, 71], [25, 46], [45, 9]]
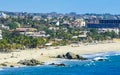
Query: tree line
[[14, 40]]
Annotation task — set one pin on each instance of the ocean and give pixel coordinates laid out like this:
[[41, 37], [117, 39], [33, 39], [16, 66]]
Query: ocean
[[111, 66]]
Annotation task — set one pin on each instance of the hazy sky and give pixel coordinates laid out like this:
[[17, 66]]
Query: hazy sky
[[62, 6]]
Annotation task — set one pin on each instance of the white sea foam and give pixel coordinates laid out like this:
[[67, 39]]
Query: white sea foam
[[117, 54], [91, 57], [104, 54], [50, 62], [1, 69], [99, 58]]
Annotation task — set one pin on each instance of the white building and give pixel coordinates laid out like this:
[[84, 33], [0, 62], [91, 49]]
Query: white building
[[0, 34], [58, 23], [4, 27], [53, 28], [101, 30], [3, 15], [79, 23], [36, 18], [36, 34]]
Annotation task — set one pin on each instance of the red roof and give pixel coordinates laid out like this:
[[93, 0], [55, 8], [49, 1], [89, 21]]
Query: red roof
[[25, 29]]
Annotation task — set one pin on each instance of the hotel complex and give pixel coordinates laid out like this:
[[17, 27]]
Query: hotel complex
[[106, 25]]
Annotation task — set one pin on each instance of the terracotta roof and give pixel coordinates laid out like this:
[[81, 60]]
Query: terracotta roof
[[25, 29]]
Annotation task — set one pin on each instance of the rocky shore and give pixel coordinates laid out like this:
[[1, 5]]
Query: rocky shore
[[31, 62], [38, 56], [70, 55]]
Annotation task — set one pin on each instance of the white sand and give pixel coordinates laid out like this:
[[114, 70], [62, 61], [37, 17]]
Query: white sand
[[14, 57]]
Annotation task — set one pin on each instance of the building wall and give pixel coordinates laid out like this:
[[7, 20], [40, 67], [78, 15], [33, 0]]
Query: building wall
[[0, 34], [103, 25], [109, 21], [106, 25]]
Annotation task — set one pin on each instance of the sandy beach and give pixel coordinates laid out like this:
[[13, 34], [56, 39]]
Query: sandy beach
[[45, 54]]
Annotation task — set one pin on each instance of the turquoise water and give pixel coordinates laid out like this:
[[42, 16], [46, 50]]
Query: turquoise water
[[73, 67]]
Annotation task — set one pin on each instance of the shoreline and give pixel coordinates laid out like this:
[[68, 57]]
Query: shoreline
[[44, 55], [57, 61]]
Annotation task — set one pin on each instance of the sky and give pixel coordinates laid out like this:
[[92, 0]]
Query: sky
[[61, 6]]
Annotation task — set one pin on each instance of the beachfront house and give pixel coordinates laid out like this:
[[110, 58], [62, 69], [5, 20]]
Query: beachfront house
[[26, 30], [32, 32], [36, 34]]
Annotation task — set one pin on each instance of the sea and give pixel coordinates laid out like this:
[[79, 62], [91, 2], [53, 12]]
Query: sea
[[109, 66]]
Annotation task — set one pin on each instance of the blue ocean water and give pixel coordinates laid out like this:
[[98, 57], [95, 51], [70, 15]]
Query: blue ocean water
[[73, 67]]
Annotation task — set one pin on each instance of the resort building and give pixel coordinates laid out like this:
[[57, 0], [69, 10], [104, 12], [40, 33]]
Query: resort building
[[106, 25]]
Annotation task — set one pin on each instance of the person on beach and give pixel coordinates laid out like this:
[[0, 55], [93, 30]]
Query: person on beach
[[41, 53]]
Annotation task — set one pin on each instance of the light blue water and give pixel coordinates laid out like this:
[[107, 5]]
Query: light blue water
[[74, 67]]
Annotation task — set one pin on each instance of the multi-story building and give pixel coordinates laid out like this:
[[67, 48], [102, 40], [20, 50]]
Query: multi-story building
[[107, 25]]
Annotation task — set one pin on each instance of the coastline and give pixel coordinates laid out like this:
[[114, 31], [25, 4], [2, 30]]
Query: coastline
[[44, 55]]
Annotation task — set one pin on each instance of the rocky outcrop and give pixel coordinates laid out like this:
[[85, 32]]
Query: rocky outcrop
[[80, 57], [61, 56], [70, 55], [31, 62], [3, 64], [11, 65], [100, 59], [61, 64]]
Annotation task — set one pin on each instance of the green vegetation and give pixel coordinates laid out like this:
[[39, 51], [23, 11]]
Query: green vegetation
[[101, 36], [13, 25], [13, 40]]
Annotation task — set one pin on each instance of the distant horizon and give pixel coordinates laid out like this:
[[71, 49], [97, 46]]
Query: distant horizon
[[56, 12]]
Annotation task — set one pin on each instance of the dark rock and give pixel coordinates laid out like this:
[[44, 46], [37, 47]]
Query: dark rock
[[60, 64], [70, 55], [31, 62], [52, 64], [59, 56], [11, 66], [99, 59], [80, 57], [64, 56], [23, 62], [3, 64]]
